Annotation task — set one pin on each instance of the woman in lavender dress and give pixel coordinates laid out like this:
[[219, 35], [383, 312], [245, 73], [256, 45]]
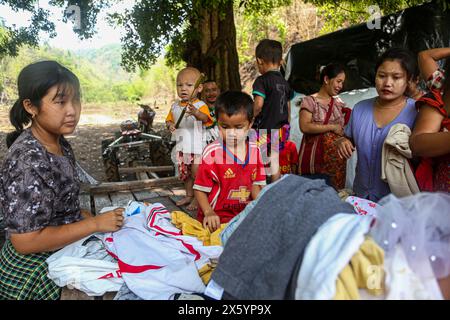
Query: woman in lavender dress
[[372, 119]]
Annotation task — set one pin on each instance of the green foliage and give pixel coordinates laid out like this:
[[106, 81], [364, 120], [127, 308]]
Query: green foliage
[[88, 11], [161, 79], [150, 26], [153, 26], [101, 77], [253, 27], [112, 55], [261, 8]]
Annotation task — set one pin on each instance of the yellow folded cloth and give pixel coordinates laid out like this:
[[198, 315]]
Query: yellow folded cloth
[[205, 273], [192, 227], [364, 271]]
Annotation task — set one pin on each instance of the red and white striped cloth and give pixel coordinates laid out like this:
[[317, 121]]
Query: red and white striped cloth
[[155, 259]]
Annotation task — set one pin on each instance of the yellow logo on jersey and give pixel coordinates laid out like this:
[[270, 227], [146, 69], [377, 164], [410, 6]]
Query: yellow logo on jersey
[[242, 194], [254, 174], [229, 174]]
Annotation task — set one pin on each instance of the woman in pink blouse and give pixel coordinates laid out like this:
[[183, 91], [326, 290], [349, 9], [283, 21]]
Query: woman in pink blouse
[[322, 117]]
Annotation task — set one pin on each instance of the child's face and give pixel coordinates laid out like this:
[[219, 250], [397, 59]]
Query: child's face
[[391, 80], [233, 129], [186, 84], [210, 91]]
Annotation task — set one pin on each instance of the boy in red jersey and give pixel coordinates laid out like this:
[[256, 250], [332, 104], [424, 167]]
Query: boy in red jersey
[[232, 171]]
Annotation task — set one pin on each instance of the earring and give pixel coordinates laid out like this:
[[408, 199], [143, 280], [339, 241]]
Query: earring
[[33, 115]]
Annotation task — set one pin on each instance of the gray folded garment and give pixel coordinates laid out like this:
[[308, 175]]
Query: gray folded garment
[[261, 257]]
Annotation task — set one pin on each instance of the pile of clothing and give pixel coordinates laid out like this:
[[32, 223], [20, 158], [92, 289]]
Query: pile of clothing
[[298, 240], [302, 242], [156, 254]]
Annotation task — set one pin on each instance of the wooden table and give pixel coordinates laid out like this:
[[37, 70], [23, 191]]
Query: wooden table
[[166, 196]]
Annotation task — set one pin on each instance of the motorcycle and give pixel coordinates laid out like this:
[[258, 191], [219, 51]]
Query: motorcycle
[[145, 118]]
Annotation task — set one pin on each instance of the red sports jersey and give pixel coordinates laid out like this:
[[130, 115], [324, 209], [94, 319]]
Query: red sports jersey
[[227, 180], [288, 157]]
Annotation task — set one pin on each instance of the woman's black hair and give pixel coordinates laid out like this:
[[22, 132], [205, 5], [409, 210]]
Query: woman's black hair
[[33, 83], [234, 102], [406, 58], [331, 71]]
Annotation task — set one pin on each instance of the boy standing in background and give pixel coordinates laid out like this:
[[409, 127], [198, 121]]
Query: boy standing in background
[[272, 95]]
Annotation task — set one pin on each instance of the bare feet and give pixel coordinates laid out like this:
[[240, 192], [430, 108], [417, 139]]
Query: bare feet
[[186, 200], [193, 205]]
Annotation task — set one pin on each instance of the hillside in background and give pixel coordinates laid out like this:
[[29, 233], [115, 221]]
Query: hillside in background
[[101, 76], [107, 59]]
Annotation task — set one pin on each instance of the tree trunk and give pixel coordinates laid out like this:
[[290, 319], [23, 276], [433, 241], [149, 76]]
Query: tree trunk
[[213, 47]]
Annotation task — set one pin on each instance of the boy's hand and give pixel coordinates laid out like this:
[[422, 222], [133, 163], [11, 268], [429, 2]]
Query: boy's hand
[[191, 110], [211, 221], [171, 127]]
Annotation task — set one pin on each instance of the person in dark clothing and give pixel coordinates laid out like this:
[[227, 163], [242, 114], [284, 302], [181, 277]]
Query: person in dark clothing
[[272, 95]]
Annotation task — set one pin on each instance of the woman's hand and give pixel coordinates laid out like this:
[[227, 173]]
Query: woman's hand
[[109, 221], [211, 221], [345, 148]]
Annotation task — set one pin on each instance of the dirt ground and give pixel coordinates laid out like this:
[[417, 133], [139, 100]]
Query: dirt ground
[[97, 122]]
